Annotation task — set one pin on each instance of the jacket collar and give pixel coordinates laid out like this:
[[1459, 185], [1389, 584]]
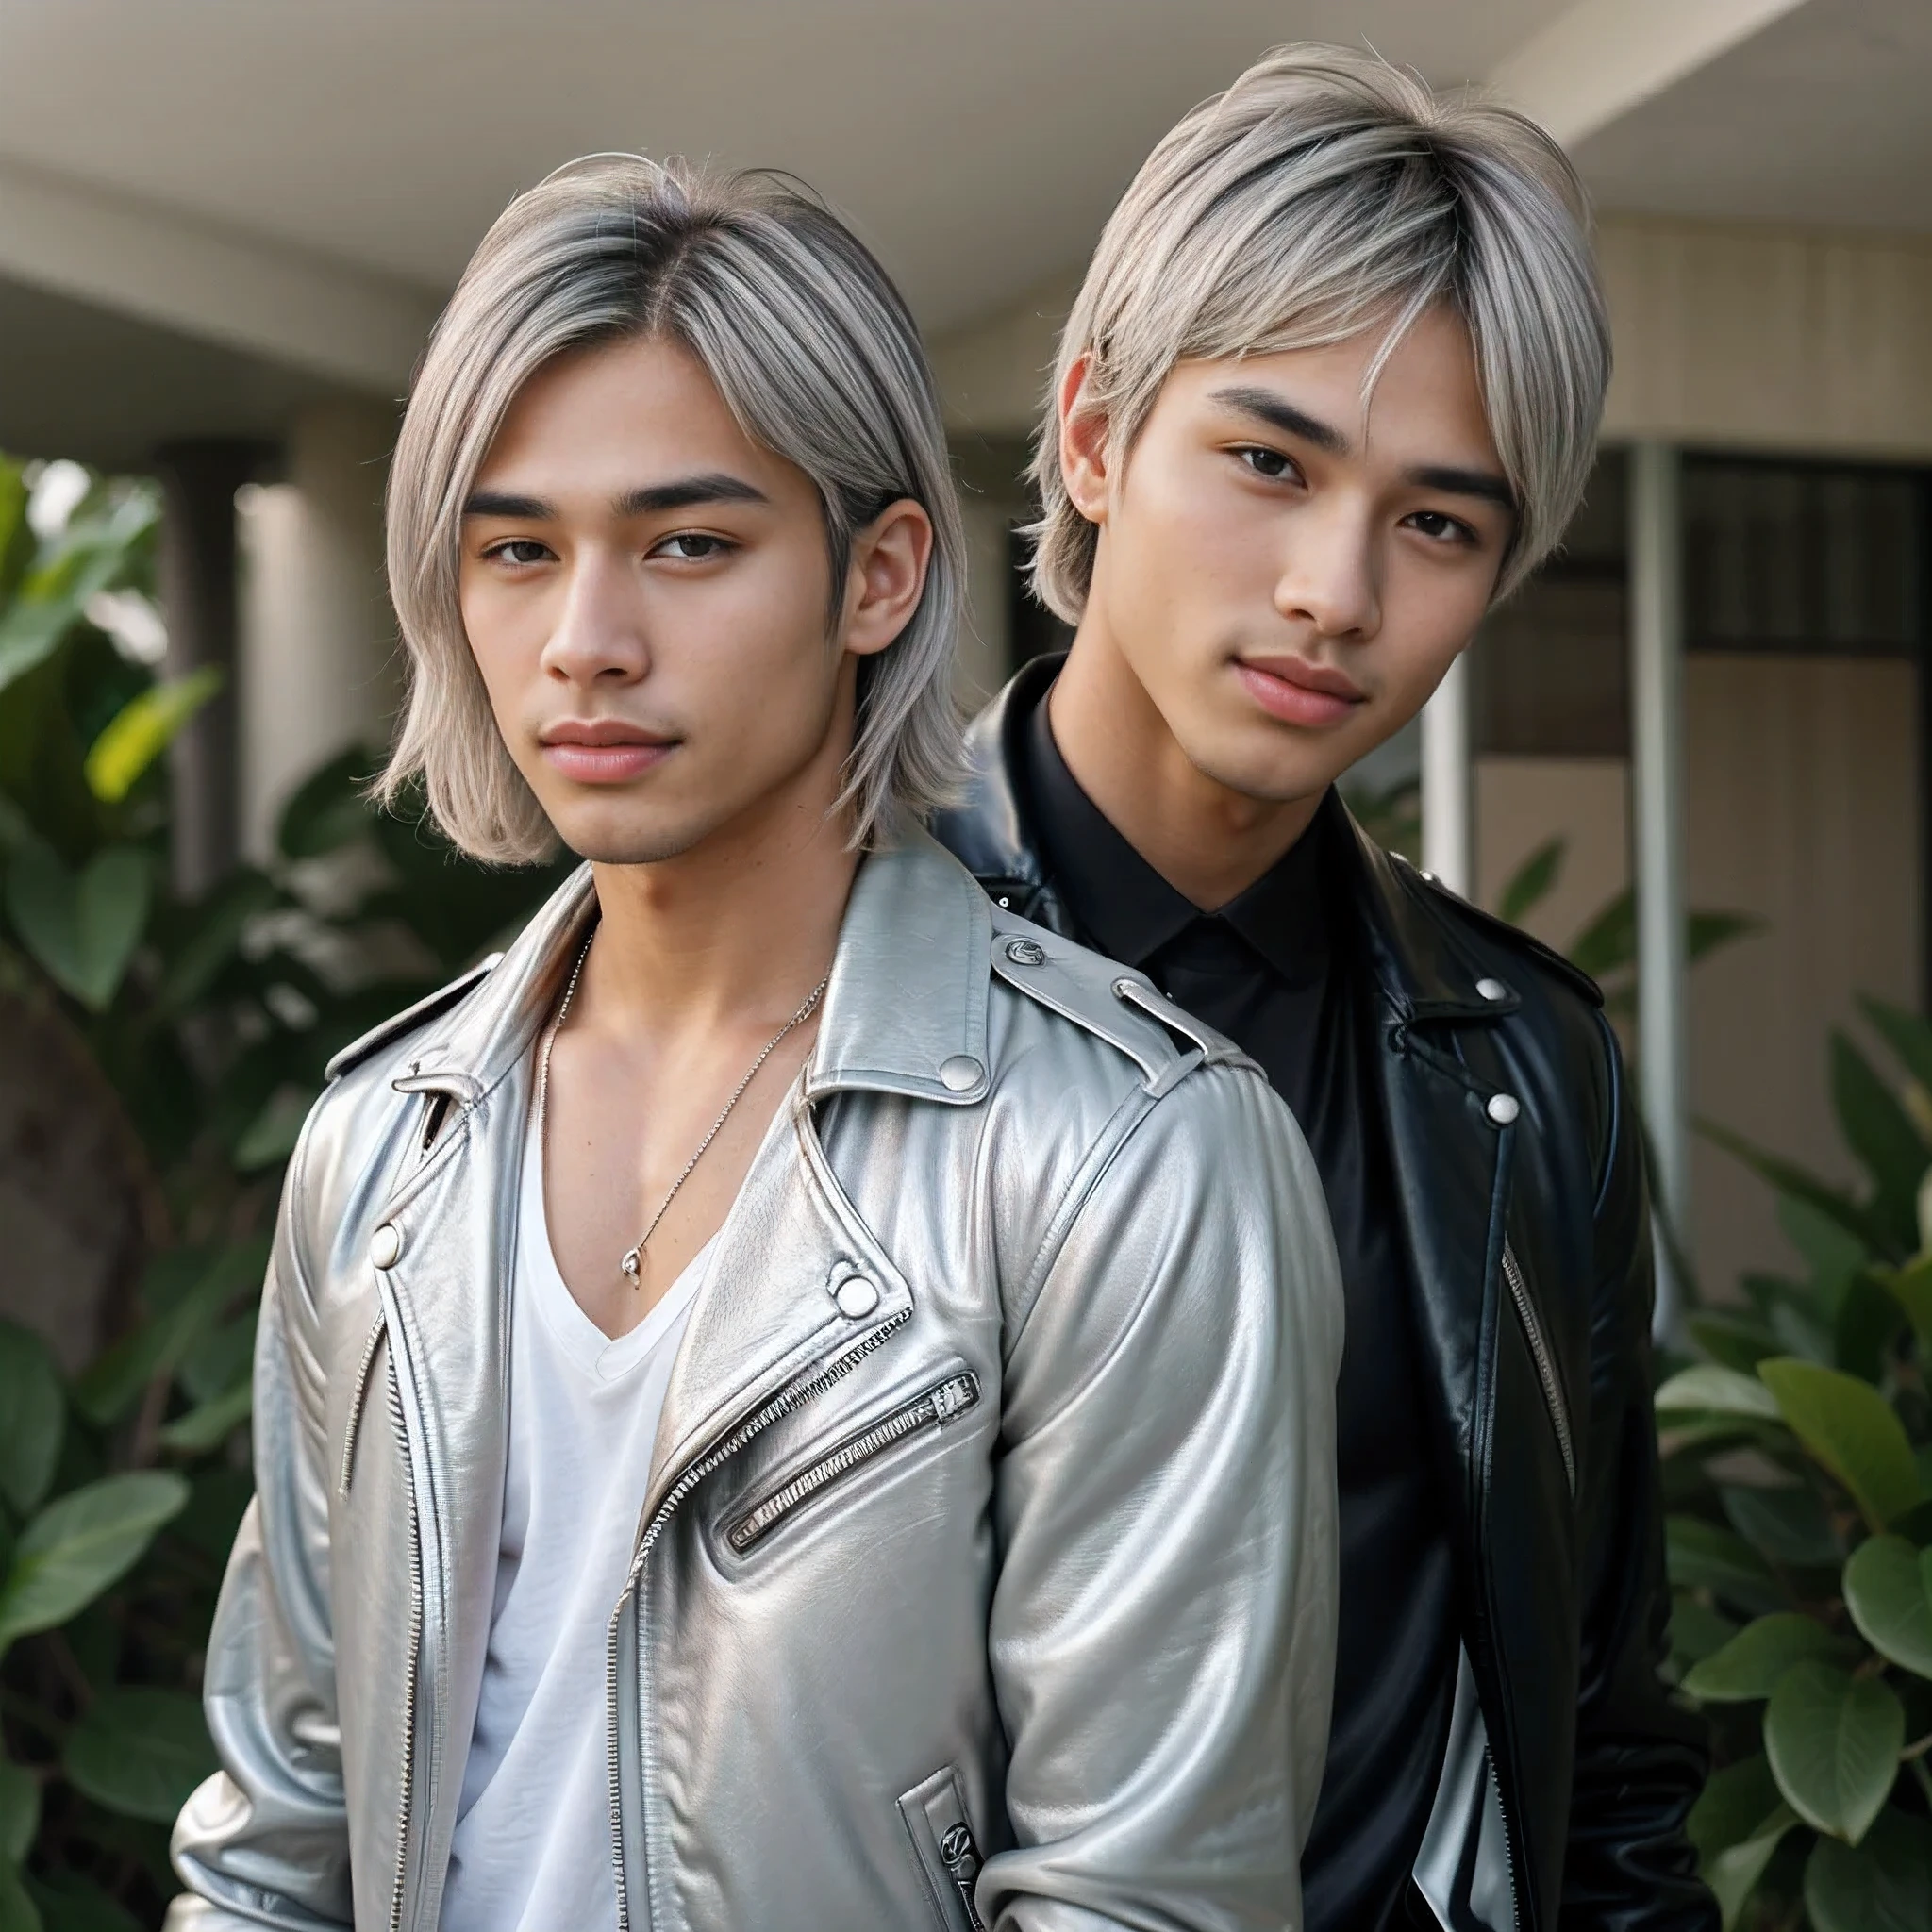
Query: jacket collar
[[1424, 965], [905, 1010]]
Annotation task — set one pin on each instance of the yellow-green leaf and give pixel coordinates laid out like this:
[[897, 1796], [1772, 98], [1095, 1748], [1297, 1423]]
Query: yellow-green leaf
[[143, 730]]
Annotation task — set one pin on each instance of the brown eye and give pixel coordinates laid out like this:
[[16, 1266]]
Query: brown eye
[[519, 550], [691, 546], [1267, 462]]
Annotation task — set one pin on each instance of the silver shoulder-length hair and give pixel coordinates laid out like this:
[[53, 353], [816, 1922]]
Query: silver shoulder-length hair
[[1325, 195], [817, 357]]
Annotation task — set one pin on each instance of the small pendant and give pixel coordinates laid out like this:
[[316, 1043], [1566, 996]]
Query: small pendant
[[632, 1265]]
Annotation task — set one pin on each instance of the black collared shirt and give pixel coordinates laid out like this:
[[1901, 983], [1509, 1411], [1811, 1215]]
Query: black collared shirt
[[1273, 971]]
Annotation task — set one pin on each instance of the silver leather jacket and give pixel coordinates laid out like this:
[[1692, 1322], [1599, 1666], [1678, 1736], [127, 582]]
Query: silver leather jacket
[[986, 1573]]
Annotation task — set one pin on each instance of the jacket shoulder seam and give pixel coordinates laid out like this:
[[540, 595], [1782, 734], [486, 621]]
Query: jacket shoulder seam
[[1457, 911]]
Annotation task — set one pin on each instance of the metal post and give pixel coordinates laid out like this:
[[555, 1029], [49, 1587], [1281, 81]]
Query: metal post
[[1448, 783], [1656, 696]]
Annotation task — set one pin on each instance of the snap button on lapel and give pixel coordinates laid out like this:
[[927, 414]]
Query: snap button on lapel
[[1503, 1109], [1492, 989], [960, 1073], [857, 1297], [385, 1244], [1026, 952]]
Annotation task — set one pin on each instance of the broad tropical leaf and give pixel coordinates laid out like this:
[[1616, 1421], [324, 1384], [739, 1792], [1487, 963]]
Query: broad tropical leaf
[[1833, 1741], [1884, 1885], [143, 730], [140, 1752], [1889, 1592], [81, 927], [1853, 1431], [1709, 1389], [1881, 1134], [80, 1545], [1750, 1665], [33, 1418]]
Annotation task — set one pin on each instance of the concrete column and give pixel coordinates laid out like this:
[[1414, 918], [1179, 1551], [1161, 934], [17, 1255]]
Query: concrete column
[[1657, 698], [196, 571], [1449, 782], [320, 664]]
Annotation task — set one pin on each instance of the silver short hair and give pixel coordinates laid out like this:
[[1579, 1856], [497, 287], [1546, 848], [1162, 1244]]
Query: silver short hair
[[814, 353], [1325, 195]]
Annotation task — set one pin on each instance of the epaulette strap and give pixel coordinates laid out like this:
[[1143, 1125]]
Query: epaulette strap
[[1504, 934], [397, 1024]]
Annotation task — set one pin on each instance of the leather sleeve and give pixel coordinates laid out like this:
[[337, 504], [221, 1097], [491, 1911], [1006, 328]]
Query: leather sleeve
[[265, 1842], [1640, 1759], [1162, 1630]]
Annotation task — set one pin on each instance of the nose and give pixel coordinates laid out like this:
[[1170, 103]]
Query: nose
[[599, 635], [1331, 578]]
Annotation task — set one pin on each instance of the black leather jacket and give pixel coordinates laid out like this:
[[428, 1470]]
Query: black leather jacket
[[1519, 1172]]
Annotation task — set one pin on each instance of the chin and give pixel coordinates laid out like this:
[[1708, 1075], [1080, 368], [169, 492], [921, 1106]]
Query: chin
[[609, 838], [1273, 774]]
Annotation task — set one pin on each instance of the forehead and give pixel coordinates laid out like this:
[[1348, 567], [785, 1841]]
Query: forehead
[[641, 407]]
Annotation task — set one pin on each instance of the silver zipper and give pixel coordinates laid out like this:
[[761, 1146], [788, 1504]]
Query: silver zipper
[[406, 1780], [358, 1396], [1545, 1364], [780, 1405], [939, 1405]]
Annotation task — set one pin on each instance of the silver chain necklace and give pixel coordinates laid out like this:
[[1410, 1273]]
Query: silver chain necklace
[[631, 1267]]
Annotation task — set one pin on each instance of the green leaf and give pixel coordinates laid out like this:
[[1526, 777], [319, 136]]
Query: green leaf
[[1750, 1665], [1792, 1182], [1736, 1341], [1709, 1389], [270, 1135], [20, 1811], [1703, 1556], [1911, 1287], [212, 1422], [1736, 1825], [1531, 882], [1906, 1034], [1609, 941], [215, 936], [80, 1545], [218, 1361], [140, 1752], [1788, 1525], [1881, 1134], [1832, 1253], [1709, 932], [1851, 1430], [82, 929], [33, 1418], [1697, 1633], [1885, 1884], [143, 730], [51, 599], [1833, 1741], [111, 1384], [329, 808], [18, 1912], [1887, 1592], [1867, 1324]]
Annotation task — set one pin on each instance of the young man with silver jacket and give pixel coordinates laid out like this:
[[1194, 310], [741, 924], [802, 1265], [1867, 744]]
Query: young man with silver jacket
[[1330, 389], [793, 1399]]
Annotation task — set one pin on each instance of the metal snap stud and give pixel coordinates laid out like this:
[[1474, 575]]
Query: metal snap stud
[[1503, 1109], [1492, 989], [1026, 952], [961, 1073], [386, 1245], [857, 1297]]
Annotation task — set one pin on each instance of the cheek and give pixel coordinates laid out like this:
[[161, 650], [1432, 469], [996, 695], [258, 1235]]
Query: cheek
[[1428, 615]]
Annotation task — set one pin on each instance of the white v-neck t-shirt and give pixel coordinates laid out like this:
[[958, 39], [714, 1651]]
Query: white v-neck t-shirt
[[532, 1850]]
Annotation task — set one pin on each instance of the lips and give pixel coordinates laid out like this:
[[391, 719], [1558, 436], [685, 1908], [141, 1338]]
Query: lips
[[1298, 693], [602, 751]]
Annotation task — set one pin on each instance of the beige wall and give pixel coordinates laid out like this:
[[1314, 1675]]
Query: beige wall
[[1802, 807], [1523, 802]]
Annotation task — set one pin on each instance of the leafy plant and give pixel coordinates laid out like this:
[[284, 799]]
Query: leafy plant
[[203, 1028], [1798, 1464]]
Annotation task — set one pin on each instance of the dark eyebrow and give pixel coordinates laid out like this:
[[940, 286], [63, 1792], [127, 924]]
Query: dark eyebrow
[[1483, 484], [715, 486], [652, 499], [1266, 407]]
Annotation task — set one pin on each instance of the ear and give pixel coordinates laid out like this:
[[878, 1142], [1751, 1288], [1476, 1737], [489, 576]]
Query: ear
[[889, 560], [1085, 437]]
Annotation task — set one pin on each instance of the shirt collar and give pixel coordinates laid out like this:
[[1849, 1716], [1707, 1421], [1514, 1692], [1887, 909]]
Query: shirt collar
[[1129, 911]]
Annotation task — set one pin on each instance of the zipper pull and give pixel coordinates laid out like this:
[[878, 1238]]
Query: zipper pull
[[961, 1856]]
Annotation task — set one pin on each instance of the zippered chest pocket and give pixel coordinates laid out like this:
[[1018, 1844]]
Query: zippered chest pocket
[[926, 1413]]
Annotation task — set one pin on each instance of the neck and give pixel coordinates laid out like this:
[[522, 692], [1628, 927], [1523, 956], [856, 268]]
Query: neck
[[735, 932], [1206, 839]]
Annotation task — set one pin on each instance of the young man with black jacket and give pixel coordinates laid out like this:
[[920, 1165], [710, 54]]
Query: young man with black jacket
[[1330, 389]]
